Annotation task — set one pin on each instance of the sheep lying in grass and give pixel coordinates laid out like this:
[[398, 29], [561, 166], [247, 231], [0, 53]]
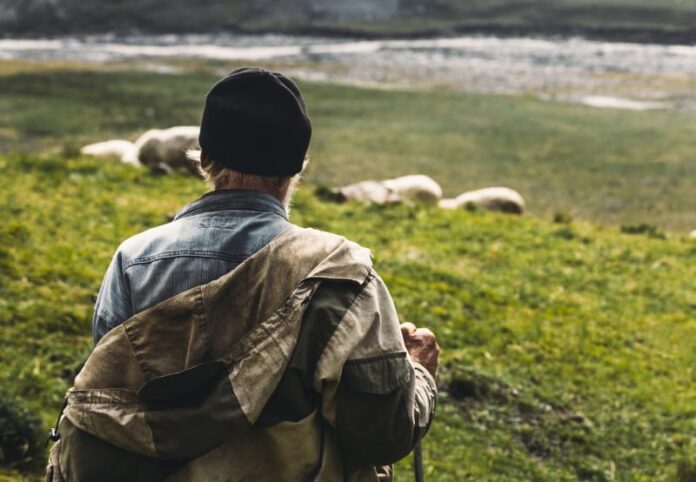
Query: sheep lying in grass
[[368, 192], [416, 187], [165, 149], [501, 199], [158, 149], [114, 148], [407, 188]]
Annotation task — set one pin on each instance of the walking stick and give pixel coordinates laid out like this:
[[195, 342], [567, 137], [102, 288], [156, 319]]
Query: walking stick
[[418, 462]]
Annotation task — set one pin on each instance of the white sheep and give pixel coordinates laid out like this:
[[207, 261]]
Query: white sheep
[[449, 203], [368, 192], [491, 198], [416, 187], [114, 148], [692, 234], [165, 149]]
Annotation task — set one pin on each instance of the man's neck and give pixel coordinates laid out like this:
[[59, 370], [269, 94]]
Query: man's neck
[[283, 196]]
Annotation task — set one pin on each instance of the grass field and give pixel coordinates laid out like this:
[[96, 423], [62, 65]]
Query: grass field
[[615, 167], [567, 346], [568, 349]]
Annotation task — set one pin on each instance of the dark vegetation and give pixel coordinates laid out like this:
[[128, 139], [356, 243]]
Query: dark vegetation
[[20, 433], [669, 21]]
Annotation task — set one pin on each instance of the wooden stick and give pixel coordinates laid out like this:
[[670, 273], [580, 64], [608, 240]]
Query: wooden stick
[[418, 462]]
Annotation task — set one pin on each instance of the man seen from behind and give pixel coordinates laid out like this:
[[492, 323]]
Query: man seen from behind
[[233, 345]]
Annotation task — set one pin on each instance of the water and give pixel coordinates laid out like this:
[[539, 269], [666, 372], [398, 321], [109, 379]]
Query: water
[[472, 50], [567, 68]]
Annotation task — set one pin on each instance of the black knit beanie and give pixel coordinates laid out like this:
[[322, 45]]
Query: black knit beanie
[[255, 122]]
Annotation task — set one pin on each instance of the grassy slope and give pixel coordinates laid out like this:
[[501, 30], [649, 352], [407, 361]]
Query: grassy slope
[[602, 165], [567, 348]]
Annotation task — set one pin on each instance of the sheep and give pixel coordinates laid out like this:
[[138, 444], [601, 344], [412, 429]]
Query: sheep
[[114, 148], [368, 192], [165, 149], [449, 203], [501, 199], [692, 234], [416, 187]]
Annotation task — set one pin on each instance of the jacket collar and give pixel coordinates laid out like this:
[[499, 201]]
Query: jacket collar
[[227, 199]]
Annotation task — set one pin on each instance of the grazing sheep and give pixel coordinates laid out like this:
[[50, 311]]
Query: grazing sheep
[[416, 187], [692, 234], [165, 149], [367, 191], [500, 199], [114, 148]]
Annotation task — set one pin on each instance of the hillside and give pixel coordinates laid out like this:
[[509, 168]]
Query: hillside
[[567, 345], [567, 348], [669, 21]]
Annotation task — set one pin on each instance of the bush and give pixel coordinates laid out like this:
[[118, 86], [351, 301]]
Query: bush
[[327, 193], [562, 218], [20, 433], [649, 230], [70, 150], [686, 469]]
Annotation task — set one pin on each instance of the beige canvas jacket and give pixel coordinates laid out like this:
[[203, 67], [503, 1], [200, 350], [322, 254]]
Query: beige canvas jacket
[[290, 367]]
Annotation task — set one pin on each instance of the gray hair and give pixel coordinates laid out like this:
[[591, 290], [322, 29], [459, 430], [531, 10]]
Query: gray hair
[[221, 177]]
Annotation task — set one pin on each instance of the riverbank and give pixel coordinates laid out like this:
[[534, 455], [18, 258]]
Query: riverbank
[[600, 74], [658, 36], [619, 32]]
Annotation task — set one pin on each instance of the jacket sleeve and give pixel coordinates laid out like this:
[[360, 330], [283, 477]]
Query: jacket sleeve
[[380, 402], [113, 305]]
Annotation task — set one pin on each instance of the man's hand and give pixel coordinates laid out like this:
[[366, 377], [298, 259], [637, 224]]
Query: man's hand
[[422, 346]]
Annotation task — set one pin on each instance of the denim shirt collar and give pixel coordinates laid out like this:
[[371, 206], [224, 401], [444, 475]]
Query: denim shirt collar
[[226, 199]]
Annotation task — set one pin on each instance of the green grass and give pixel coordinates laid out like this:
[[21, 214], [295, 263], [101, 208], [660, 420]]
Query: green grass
[[567, 349], [615, 167]]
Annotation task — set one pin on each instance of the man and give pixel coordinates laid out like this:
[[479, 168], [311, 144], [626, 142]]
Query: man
[[233, 345]]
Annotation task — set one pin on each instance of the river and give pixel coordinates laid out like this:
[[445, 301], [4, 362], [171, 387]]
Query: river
[[597, 73]]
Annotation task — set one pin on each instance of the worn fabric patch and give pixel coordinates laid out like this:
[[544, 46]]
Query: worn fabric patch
[[379, 375], [84, 457], [112, 414], [192, 411], [295, 397]]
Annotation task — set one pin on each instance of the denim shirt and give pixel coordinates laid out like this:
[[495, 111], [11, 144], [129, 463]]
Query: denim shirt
[[206, 239]]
